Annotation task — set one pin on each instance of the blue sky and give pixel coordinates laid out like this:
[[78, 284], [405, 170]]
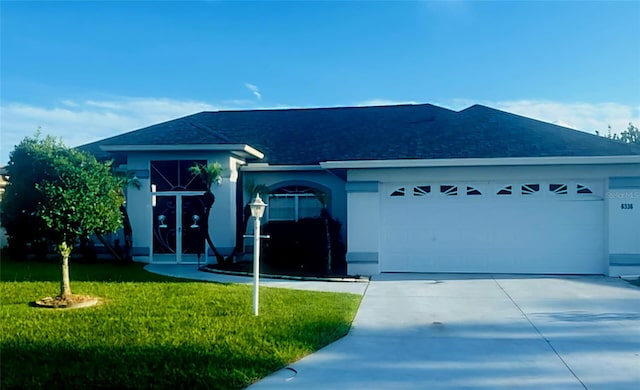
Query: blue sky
[[88, 70]]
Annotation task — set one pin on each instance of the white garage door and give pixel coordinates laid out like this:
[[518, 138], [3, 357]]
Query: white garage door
[[527, 227]]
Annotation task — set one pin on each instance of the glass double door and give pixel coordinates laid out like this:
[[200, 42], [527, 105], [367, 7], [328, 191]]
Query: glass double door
[[179, 228]]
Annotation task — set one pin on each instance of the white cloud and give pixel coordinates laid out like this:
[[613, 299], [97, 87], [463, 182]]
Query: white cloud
[[80, 122], [588, 117], [254, 89]]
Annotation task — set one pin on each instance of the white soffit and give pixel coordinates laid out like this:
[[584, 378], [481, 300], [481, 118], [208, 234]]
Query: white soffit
[[242, 149], [264, 167], [469, 162]]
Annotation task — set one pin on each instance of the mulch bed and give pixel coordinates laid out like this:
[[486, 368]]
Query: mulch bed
[[69, 302], [266, 269]]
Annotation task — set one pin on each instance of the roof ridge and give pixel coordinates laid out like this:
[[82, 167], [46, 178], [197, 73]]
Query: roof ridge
[[283, 109]]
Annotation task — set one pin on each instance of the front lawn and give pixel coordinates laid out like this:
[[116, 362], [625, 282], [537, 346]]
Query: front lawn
[[154, 331]]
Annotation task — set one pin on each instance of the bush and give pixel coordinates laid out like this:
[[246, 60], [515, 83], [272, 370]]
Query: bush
[[302, 246]]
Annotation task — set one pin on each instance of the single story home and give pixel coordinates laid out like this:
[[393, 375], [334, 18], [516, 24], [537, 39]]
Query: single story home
[[417, 188]]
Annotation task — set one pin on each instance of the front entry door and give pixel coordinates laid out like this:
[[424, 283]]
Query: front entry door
[[178, 233]]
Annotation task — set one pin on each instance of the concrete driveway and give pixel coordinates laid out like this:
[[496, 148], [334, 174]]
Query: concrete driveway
[[481, 332]]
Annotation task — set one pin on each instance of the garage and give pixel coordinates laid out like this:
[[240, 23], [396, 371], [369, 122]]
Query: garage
[[524, 227]]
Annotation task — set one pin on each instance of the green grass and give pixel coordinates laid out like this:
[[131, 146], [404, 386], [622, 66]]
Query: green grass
[[154, 331]]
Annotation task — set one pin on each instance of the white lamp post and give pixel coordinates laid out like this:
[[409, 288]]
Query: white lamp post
[[257, 211]]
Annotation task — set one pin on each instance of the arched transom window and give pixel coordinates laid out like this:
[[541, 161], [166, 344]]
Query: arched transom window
[[174, 175]]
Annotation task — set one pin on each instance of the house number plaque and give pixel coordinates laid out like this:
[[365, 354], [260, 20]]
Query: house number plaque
[[626, 206]]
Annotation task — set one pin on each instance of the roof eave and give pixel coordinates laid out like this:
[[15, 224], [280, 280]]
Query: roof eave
[[240, 150], [479, 162], [263, 167]]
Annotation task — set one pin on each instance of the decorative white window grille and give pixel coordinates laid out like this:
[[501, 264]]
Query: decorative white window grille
[[560, 189], [449, 190], [529, 189], [473, 191], [399, 192], [582, 189], [421, 190], [174, 175], [506, 190]]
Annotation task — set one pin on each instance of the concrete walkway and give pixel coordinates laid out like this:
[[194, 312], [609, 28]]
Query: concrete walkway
[[192, 272], [481, 332]]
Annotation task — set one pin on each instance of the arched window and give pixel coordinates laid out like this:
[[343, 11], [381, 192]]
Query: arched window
[[292, 203]]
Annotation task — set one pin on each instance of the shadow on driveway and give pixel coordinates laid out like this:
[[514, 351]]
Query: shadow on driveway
[[482, 332]]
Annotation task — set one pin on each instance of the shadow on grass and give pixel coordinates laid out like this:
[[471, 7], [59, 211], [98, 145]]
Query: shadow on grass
[[200, 364], [46, 366]]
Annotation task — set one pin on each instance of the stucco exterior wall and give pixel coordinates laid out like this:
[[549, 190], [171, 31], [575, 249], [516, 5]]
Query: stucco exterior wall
[[222, 221], [623, 198], [495, 173], [363, 236], [356, 202]]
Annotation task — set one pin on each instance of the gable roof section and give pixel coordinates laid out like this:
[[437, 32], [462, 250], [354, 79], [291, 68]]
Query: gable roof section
[[311, 136]]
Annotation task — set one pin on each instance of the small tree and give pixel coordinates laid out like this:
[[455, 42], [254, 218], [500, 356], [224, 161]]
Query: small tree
[[75, 196]]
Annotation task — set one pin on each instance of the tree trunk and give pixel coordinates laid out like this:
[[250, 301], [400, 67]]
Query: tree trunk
[[128, 233], [208, 200], [65, 284], [325, 217]]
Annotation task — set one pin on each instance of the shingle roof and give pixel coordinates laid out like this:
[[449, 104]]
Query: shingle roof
[[310, 136]]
